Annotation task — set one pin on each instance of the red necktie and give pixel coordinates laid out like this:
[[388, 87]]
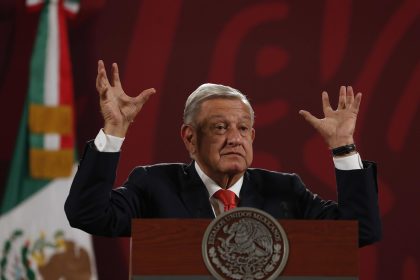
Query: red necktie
[[227, 197]]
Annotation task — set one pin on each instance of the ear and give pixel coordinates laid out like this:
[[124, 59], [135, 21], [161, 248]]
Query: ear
[[253, 134], [188, 135]]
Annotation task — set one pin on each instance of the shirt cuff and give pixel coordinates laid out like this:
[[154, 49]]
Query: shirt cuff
[[108, 143], [348, 163]]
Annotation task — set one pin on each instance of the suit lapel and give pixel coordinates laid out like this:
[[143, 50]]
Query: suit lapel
[[194, 194], [250, 194]]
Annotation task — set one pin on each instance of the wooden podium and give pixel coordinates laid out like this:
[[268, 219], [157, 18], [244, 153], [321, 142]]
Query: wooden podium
[[171, 249]]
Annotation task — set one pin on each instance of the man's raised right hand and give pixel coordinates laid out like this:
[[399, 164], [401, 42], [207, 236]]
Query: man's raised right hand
[[118, 109]]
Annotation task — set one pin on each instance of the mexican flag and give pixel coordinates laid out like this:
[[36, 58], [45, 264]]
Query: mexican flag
[[36, 241]]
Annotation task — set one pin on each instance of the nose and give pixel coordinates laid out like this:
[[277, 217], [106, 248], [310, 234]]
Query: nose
[[234, 137]]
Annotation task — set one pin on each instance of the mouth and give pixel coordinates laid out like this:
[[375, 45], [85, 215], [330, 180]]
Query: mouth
[[232, 154]]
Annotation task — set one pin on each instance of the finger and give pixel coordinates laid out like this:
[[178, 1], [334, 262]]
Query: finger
[[144, 95], [309, 118], [102, 70], [101, 65], [349, 96], [101, 79], [326, 106], [115, 75], [357, 101], [342, 98], [102, 83]]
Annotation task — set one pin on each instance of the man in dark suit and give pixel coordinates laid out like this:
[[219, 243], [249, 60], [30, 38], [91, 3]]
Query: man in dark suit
[[218, 134]]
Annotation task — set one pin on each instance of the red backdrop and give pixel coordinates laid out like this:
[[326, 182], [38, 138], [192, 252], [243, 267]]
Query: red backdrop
[[282, 54]]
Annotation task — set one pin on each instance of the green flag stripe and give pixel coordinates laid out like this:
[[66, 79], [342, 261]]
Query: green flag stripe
[[36, 140], [37, 67], [19, 185], [37, 71]]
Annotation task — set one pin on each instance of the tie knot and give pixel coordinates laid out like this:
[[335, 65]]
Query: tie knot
[[227, 197]]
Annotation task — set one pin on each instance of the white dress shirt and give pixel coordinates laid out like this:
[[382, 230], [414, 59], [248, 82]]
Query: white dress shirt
[[212, 187]]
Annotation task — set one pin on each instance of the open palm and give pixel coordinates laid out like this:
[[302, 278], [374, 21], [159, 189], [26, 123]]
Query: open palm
[[337, 127]]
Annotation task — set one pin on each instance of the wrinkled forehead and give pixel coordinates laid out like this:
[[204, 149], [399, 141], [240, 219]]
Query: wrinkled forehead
[[224, 108]]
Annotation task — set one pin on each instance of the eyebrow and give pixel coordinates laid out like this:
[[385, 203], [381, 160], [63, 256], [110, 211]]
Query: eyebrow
[[248, 117]]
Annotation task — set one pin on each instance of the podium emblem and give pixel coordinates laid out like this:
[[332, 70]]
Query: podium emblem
[[244, 244]]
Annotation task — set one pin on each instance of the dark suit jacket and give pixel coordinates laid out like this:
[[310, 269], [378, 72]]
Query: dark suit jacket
[[176, 191]]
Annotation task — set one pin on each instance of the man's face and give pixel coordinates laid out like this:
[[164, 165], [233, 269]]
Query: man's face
[[224, 136]]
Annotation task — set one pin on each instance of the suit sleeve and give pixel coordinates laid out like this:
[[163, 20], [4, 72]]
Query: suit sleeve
[[357, 200], [92, 205]]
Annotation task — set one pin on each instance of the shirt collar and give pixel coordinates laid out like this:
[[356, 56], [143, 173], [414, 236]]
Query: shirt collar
[[212, 186]]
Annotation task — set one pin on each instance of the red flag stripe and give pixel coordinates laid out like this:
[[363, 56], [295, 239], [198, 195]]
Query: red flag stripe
[[65, 79]]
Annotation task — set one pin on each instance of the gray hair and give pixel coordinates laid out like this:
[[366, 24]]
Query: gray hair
[[211, 91]]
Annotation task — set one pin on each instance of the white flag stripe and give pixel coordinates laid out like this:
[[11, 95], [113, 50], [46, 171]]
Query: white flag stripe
[[52, 141], [51, 82], [33, 2]]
